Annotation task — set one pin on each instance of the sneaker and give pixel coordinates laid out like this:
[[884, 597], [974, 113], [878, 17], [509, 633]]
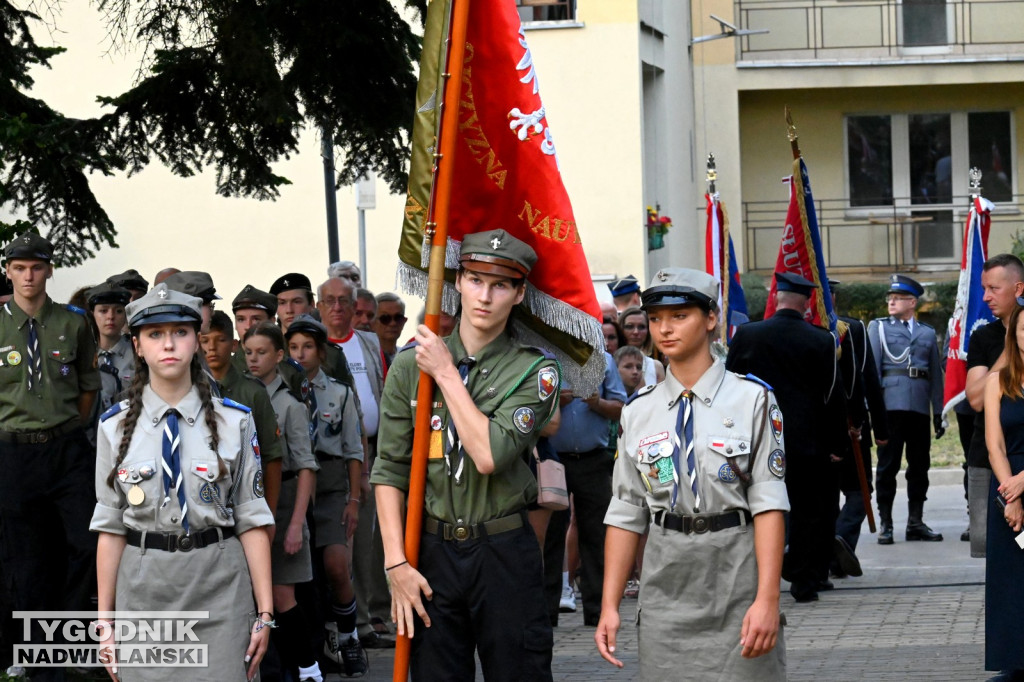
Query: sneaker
[[567, 604], [349, 654]]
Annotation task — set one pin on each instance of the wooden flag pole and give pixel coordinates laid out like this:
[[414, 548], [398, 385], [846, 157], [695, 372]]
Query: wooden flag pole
[[437, 230]]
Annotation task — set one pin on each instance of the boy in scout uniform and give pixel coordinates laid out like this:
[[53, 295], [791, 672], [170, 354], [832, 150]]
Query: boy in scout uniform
[[701, 460], [480, 564], [48, 382], [907, 359], [250, 308]]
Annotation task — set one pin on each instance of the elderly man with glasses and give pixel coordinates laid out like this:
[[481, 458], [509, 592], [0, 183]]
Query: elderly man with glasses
[[907, 360]]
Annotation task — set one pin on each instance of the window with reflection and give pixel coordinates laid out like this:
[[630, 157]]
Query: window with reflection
[[931, 162], [869, 155], [991, 151]]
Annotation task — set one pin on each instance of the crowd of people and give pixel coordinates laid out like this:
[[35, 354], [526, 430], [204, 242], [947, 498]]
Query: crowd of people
[[256, 465]]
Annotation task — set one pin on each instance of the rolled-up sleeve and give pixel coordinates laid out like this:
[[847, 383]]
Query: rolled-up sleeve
[[395, 433], [108, 515], [628, 507], [767, 491], [251, 510], [296, 434]]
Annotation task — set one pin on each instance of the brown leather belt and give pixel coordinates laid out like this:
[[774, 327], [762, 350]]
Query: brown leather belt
[[173, 542], [39, 437], [467, 531], [703, 523]]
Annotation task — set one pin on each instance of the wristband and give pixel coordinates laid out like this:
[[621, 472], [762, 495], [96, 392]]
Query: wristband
[[400, 563], [354, 499]]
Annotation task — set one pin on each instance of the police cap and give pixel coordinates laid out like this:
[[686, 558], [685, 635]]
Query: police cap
[[163, 304], [251, 297], [29, 246], [790, 281], [496, 252], [681, 286], [624, 286], [193, 283], [901, 284], [107, 293]]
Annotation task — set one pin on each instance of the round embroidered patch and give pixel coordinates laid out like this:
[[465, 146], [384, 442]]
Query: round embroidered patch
[[777, 463], [209, 492], [726, 474], [524, 419], [435, 423], [775, 415], [65, 370], [14, 358], [257, 483]]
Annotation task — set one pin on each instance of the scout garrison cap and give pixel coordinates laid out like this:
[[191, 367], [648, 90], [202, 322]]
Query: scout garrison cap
[[193, 283], [790, 281], [496, 252], [901, 284], [129, 279], [107, 293], [624, 286], [681, 286], [163, 304], [251, 297], [293, 280], [307, 324], [29, 246]]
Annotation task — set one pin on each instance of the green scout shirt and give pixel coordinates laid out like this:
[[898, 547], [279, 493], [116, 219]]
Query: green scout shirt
[[251, 393], [68, 365], [510, 383]]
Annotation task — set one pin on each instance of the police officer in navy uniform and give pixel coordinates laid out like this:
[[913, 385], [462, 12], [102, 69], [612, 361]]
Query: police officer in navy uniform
[[625, 292], [798, 360], [907, 358], [48, 382]]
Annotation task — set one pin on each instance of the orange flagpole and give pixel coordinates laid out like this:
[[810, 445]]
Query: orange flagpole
[[437, 230]]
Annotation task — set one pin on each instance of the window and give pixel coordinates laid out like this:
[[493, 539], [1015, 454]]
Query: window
[[988, 136], [546, 10], [924, 23]]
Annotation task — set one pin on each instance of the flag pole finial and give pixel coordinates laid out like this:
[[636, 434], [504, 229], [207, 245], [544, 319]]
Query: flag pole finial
[[712, 174], [791, 134], [975, 181]]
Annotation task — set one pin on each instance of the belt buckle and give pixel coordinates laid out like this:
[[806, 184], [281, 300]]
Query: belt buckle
[[700, 524], [185, 543], [460, 532], [913, 372], [39, 437]]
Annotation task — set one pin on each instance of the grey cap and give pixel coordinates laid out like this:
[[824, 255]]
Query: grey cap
[[107, 293], [193, 283], [681, 286], [307, 324], [163, 304]]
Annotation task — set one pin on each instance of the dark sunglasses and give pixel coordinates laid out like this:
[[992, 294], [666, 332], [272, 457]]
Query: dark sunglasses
[[386, 319]]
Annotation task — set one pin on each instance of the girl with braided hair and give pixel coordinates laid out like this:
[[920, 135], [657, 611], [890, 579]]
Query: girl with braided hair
[[179, 506]]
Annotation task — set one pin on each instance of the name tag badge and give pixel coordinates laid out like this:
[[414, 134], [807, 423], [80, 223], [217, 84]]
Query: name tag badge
[[647, 440]]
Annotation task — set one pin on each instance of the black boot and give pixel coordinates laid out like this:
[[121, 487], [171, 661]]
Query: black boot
[[885, 525], [916, 528]]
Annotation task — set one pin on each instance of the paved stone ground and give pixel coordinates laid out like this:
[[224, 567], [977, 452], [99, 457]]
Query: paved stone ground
[[916, 614]]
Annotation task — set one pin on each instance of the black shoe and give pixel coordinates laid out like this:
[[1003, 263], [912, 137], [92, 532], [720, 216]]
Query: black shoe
[[919, 531], [965, 536], [845, 557], [591, 621], [885, 534], [835, 571], [1008, 676], [804, 596], [826, 586]]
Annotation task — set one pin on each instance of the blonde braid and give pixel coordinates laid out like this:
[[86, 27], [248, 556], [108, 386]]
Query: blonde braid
[[139, 381], [202, 385]]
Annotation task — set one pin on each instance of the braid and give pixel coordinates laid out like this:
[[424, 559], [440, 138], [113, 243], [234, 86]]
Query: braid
[[202, 385], [139, 381]]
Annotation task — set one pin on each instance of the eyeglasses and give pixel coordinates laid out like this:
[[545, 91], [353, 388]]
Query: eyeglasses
[[387, 319], [331, 301], [894, 297], [635, 327]]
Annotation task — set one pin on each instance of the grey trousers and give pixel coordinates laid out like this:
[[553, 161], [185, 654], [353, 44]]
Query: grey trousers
[[978, 481]]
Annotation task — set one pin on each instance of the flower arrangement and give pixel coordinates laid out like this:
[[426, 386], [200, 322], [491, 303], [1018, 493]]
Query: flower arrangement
[[657, 226]]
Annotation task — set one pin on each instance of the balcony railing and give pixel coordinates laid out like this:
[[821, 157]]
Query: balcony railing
[[864, 29], [918, 238]]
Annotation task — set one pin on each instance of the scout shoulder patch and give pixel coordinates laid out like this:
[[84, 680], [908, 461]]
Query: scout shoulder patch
[[524, 419], [255, 442], [113, 409], [547, 382], [642, 392], [257, 483], [228, 402], [74, 309], [775, 416], [757, 380], [777, 463]]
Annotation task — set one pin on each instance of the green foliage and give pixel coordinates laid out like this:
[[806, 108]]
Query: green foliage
[[1017, 244], [222, 84], [755, 290]]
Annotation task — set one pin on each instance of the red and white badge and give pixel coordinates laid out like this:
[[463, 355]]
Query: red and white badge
[[435, 423], [647, 440], [547, 382]]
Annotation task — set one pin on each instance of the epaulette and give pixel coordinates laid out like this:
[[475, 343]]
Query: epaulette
[[756, 380], [74, 309], [113, 409], [228, 402], [543, 351], [332, 379], [925, 324], [408, 346], [295, 364], [643, 391]]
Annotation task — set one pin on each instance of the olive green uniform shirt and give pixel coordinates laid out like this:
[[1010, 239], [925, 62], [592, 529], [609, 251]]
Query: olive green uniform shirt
[[250, 392], [68, 367], [515, 386]]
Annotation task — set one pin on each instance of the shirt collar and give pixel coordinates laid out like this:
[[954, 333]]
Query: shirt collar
[[154, 408], [486, 356], [706, 388], [20, 317], [320, 380], [275, 384]]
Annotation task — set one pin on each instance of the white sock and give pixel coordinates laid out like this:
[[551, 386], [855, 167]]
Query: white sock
[[354, 633], [311, 673], [565, 579]]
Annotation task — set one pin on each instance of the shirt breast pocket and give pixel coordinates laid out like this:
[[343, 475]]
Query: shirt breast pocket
[[655, 462], [63, 364], [146, 475], [10, 374], [728, 458], [205, 485]]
